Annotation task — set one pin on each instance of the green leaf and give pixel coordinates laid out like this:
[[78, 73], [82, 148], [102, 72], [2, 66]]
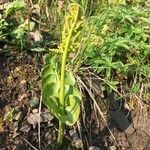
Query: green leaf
[[72, 109], [47, 70], [14, 6], [70, 80], [38, 49], [51, 89], [9, 116], [72, 104], [49, 79], [56, 109], [22, 29]]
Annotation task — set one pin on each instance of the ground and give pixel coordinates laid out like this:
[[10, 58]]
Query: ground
[[19, 105]]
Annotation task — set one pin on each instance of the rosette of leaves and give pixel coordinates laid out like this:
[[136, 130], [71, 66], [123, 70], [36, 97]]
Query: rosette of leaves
[[68, 113]]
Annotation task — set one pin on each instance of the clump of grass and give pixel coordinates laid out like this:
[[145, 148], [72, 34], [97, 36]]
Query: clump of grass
[[117, 47]]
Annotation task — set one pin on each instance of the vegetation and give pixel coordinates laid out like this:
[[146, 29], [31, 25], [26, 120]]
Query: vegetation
[[108, 41], [59, 91]]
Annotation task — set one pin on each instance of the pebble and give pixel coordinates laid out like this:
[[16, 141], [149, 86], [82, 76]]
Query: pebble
[[35, 111], [112, 148], [48, 136], [46, 116], [20, 147], [19, 116], [25, 128], [34, 119], [76, 140], [78, 144], [21, 97], [17, 109], [23, 82], [73, 134], [15, 134], [15, 125]]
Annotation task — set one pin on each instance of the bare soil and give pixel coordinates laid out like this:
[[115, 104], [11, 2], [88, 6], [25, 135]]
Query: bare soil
[[20, 92]]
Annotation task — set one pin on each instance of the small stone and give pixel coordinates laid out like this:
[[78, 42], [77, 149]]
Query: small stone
[[17, 109], [36, 36], [25, 128], [46, 116], [34, 119], [94, 148], [76, 140], [15, 134], [15, 125], [21, 97], [48, 136], [73, 134], [35, 111], [20, 147], [113, 148], [18, 116], [78, 144], [23, 82]]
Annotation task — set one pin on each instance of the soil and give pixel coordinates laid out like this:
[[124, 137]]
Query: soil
[[19, 104]]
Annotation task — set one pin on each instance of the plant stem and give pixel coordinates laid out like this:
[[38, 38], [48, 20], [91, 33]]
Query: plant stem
[[60, 135], [64, 60], [62, 80]]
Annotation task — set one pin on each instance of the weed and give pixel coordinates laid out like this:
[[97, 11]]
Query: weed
[[13, 27], [59, 89], [118, 43]]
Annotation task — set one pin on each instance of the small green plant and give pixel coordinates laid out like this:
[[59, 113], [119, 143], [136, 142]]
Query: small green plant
[[14, 28], [122, 33], [14, 6], [59, 90], [3, 28]]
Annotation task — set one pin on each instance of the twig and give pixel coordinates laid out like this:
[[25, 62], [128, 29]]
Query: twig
[[98, 108], [39, 124], [12, 132], [28, 142], [101, 79]]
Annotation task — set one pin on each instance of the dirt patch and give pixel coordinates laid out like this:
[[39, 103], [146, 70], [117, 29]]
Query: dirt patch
[[19, 103], [20, 93]]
